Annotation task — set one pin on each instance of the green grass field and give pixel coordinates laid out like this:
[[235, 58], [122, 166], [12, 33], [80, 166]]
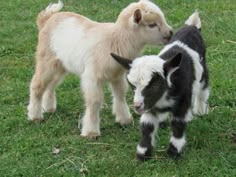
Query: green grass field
[[26, 148]]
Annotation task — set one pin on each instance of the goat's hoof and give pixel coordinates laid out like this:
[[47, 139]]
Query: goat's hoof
[[124, 121], [173, 152], [91, 135], [143, 157], [51, 110], [36, 120]]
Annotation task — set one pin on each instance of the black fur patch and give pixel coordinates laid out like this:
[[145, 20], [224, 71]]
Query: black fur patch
[[147, 130], [191, 36], [178, 128], [154, 91]]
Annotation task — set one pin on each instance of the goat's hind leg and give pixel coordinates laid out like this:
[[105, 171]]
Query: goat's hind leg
[[38, 85], [43, 77], [49, 102], [201, 106]]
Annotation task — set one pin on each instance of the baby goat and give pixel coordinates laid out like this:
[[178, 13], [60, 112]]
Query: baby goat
[[174, 81], [69, 42]]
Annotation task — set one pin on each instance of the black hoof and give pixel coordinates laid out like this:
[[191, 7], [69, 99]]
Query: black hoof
[[146, 156], [143, 157], [173, 152]]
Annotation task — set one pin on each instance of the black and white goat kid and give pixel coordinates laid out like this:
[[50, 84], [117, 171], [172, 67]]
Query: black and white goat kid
[[175, 81]]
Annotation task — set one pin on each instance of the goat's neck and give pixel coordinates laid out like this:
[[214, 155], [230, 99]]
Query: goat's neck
[[126, 43]]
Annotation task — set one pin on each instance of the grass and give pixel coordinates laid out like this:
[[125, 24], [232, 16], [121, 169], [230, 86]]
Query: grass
[[26, 148]]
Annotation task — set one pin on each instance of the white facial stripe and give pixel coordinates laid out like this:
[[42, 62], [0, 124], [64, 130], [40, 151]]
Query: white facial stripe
[[138, 98], [178, 143]]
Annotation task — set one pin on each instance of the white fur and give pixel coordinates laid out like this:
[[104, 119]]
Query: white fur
[[143, 68], [52, 8], [163, 102], [178, 143], [90, 125], [32, 114], [162, 117], [141, 150], [200, 105], [49, 101], [188, 116], [169, 76], [138, 97], [66, 41], [148, 118], [153, 7], [194, 20]]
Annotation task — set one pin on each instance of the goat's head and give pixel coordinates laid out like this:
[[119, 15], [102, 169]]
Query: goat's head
[[149, 77], [147, 21]]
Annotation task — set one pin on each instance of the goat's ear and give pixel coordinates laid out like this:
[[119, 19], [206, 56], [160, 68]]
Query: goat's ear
[[122, 61], [137, 16], [172, 63]]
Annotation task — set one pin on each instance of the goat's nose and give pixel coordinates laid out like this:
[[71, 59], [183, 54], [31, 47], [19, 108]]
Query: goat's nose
[[137, 105], [171, 32]]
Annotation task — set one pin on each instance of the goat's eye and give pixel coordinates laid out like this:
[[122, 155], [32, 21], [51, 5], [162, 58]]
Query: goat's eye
[[153, 25]]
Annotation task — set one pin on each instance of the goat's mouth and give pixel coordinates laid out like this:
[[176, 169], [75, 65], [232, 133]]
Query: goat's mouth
[[166, 39]]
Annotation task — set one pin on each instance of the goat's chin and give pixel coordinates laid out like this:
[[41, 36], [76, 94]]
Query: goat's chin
[[165, 41], [139, 111]]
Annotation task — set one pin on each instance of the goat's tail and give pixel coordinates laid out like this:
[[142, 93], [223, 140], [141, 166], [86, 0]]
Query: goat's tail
[[45, 14], [194, 20]]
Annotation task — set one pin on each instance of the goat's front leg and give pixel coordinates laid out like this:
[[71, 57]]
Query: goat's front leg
[[149, 126], [177, 140], [93, 94], [120, 107]]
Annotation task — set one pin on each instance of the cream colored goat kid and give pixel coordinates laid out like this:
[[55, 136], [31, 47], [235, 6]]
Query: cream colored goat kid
[[69, 42]]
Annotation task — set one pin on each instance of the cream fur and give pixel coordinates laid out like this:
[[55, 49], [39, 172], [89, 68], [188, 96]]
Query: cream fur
[[72, 43]]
